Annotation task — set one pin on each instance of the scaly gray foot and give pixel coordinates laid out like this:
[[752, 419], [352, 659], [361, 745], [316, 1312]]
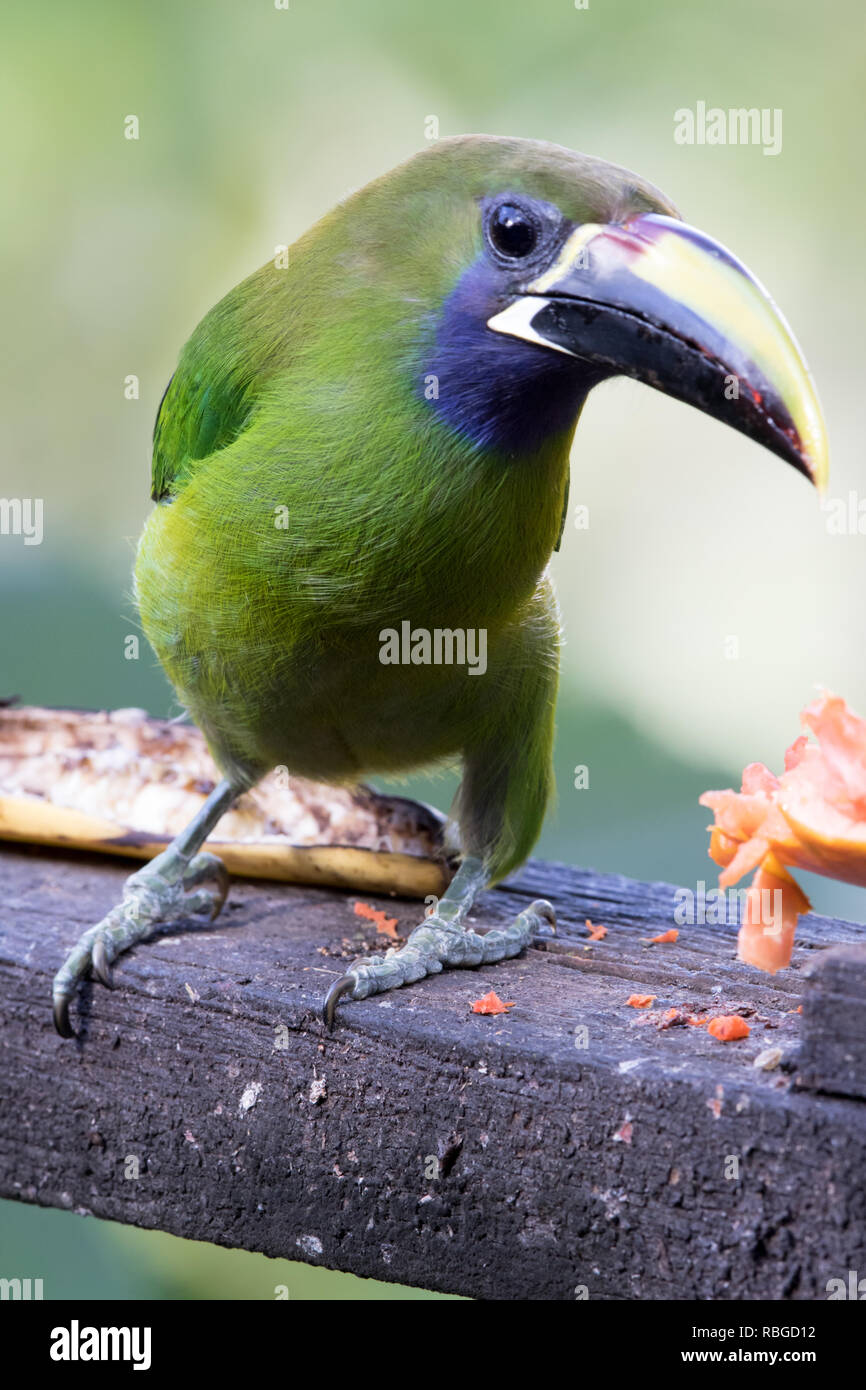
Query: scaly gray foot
[[171, 886], [438, 944]]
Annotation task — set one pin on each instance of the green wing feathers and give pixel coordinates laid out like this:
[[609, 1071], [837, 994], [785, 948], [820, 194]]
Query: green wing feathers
[[210, 398], [195, 418]]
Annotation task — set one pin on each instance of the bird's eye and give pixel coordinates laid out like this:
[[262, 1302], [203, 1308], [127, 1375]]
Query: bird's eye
[[511, 231]]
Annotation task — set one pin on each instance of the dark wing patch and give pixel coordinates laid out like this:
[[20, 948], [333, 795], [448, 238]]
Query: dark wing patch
[[194, 419]]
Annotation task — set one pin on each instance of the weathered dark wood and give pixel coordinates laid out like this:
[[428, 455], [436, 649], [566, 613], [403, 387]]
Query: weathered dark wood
[[833, 1049], [421, 1143]]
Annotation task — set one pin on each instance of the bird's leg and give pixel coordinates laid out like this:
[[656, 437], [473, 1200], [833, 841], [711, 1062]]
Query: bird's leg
[[178, 882], [497, 814], [442, 941]]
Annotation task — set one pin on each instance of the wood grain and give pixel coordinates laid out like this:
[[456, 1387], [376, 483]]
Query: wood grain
[[504, 1157]]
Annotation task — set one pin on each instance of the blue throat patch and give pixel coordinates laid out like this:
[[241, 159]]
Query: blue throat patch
[[499, 392]]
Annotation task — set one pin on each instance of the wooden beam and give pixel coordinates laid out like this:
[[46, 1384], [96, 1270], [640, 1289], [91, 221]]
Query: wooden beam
[[833, 1051], [574, 1146]]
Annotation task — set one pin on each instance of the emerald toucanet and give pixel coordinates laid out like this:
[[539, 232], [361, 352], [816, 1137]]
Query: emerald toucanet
[[403, 393]]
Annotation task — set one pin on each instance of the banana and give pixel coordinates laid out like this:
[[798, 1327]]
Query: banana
[[120, 782]]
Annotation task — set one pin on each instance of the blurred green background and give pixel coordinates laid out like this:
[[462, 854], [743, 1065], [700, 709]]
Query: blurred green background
[[253, 121]]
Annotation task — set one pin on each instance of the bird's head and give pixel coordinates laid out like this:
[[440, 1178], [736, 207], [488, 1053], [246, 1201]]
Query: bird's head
[[545, 272]]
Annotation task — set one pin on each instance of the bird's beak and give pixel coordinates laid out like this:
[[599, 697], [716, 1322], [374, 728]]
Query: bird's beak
[[657, 300]]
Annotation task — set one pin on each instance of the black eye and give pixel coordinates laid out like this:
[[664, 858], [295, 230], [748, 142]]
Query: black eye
[[511, 231]]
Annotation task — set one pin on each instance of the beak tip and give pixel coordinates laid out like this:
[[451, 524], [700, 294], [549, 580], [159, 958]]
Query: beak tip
[[818, 466]]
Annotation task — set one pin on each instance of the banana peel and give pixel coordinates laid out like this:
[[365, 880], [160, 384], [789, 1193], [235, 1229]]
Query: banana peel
[[120, 782]]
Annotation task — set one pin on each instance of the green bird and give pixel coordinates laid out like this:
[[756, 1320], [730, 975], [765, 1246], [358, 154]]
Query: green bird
[[373, 439]]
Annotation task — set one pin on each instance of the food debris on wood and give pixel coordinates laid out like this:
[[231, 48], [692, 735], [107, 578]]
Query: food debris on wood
[[250, 1096], [490, 1003], [384, 924], [725, 1027], [769, 1059], [671, 1018], [728, 1027], [318, 1090]]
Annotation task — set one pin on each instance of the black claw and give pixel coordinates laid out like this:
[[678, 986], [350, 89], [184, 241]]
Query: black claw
[[61, 1018], [335, 993], [222, 892], [100, 965], [542, 908]]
